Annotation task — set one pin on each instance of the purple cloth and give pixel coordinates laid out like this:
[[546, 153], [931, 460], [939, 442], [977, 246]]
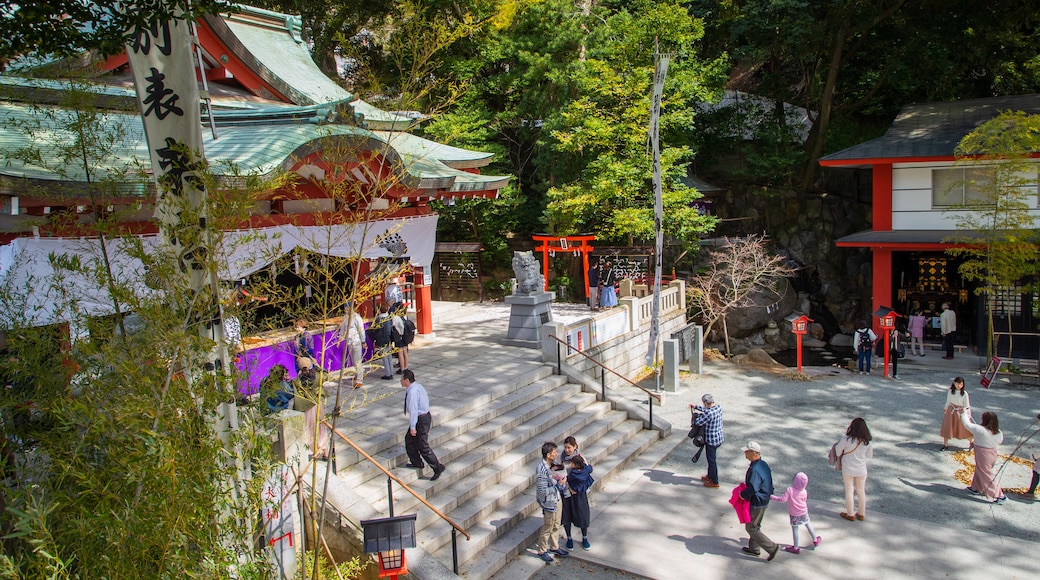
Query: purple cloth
[[254, 364]]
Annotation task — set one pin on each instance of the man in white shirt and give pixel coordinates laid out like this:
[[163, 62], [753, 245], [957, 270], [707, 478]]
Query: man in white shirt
[[948, 327], [416, 443]]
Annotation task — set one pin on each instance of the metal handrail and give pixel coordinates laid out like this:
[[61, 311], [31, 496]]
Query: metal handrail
[[602, 379], [390, 496]]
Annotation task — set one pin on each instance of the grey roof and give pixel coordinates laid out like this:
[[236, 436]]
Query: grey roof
[[905, 237], [931, 129]]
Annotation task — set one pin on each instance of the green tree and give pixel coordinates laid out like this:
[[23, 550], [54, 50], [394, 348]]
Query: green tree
[[28, 28], [565, 90], [1002, 182], [114, 467], [855, 63]]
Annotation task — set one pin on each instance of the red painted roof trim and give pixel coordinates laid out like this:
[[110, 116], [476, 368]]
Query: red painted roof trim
[[890, 160], [880, 160], [212, 44]]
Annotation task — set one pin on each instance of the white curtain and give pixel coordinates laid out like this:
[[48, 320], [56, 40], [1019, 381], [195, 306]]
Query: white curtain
[[35, 290]]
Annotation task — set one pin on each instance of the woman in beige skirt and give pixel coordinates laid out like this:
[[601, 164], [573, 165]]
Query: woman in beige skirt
[[956, 401]]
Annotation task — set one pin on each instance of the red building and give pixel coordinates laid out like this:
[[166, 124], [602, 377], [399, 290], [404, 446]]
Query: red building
[[916, 189], [268, 109]]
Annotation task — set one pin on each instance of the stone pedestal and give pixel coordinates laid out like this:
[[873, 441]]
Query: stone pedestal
[[670, 350], [527, 314]]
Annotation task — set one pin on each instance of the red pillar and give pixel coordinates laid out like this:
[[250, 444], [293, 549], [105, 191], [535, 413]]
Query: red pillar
[[881, 283], [585, 268], [423, 303], [545, 266], [881, 211]]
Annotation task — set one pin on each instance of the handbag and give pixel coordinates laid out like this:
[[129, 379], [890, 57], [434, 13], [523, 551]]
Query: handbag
[[834, 459], [832, 455]]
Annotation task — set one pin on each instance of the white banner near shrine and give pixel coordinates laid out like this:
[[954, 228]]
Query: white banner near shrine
[[168, 98]]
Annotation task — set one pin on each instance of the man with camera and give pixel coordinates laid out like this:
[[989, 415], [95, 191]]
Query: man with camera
[[709, 415]]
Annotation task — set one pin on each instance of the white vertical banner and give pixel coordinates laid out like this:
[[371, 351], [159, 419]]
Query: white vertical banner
[[161, 58], [660, 71], [168, 98]]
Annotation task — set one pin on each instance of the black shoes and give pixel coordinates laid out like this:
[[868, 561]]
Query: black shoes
[[412, 466], [437, 471], [388, 378], [772, 554], [748, 550]]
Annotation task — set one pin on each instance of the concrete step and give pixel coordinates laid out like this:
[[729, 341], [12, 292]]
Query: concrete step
[[497, 546], [492, 440], [490, 444], [379, 440], [509, 453], [479, 424], [609, 432], [465, 499]]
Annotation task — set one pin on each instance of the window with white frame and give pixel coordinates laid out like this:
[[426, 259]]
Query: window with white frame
[[952, 186]]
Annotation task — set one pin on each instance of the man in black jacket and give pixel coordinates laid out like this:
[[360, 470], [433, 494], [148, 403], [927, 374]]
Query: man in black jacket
[[759, 481]]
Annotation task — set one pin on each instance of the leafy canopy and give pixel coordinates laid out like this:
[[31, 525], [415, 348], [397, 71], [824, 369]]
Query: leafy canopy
[[32, 27]]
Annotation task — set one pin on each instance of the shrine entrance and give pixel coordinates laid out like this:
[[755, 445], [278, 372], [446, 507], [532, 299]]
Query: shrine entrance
[[575, 245]]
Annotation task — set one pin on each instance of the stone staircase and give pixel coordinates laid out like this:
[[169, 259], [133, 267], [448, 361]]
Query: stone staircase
[[490, 444]]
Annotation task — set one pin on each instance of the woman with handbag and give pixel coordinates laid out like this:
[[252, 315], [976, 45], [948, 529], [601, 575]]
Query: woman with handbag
[[956, 402], [853, 451]]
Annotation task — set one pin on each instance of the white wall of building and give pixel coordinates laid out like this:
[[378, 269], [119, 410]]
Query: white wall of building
[[912, 199]]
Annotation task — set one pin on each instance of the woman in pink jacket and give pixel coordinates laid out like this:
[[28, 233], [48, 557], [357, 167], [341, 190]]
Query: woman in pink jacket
[[916, 327], [797, 499]]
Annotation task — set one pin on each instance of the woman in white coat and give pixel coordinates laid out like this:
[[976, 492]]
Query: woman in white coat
[[854, 450]]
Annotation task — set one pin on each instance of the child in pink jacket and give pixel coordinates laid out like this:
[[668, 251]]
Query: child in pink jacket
[[797, 498]]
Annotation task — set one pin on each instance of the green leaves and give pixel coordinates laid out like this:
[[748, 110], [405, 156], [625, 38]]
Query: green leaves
[[65, 27]]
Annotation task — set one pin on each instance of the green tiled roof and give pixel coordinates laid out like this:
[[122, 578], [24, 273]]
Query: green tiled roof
[[261, 148], [51, 128], [271, 45], [455, 157], [279, 47]]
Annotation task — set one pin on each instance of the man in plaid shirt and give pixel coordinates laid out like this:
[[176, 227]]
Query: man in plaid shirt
[[710, 415]]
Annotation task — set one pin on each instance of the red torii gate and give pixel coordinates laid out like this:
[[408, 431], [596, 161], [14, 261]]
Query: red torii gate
[[552, 244]]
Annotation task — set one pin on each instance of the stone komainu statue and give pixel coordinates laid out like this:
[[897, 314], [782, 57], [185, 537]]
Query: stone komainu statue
[[529, 279]]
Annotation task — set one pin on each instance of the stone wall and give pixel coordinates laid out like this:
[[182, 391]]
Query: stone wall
[[623, 354], [806, 225]]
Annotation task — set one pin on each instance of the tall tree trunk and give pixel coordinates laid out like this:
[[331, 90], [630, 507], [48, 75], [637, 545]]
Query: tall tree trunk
[[823, 116]]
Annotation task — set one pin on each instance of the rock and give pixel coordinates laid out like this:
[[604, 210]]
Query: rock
[[757, 356], [746, 321], [816, 330], [810, 342], [841, 341]]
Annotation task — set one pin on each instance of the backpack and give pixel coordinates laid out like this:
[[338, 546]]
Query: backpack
[[403, 339], [381, 331], [864, 340], [409, 331]]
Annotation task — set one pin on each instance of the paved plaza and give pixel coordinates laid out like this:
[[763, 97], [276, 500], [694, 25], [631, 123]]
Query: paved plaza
[[656, 519]]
